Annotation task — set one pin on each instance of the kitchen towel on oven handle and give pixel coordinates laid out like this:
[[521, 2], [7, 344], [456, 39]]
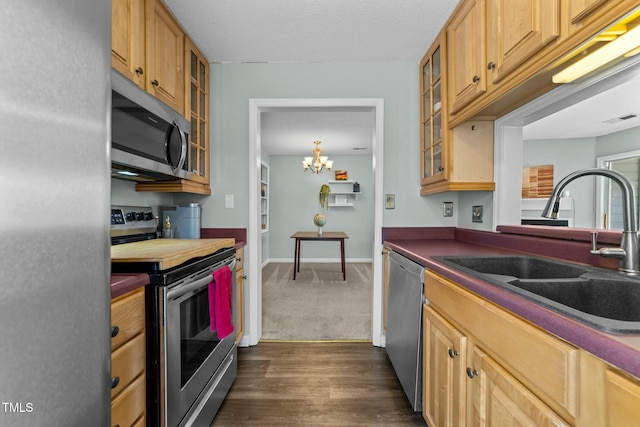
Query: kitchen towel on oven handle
[[220, 300]]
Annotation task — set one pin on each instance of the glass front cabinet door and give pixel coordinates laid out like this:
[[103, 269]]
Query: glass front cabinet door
[[432, 159]]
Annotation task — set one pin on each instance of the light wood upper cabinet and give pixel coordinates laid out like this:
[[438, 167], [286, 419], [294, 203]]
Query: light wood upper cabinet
[[517, 30], [433, 121], [165, 56], [444, 363], [580, 9], [128, 39], [197, 109], [466, 44], [458, 159]]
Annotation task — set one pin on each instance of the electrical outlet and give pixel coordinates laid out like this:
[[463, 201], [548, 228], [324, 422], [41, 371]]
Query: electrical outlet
[[389, 201], [476, 214], [447, 209]]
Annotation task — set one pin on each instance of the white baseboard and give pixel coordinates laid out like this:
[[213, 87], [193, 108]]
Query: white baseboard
[[318, 260]]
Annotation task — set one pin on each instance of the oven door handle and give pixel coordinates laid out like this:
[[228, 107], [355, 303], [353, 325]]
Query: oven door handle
[[176, 293]]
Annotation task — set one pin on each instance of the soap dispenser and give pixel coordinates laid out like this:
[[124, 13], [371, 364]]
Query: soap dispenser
[[168, 231]]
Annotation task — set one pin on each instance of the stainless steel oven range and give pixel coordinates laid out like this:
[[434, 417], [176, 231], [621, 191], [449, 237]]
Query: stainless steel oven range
[[192, 364]]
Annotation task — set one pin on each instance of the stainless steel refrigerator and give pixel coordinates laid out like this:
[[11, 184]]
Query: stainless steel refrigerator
[[54, 212]]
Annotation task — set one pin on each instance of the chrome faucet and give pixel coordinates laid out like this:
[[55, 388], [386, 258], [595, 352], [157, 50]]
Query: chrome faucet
[[628, 252]]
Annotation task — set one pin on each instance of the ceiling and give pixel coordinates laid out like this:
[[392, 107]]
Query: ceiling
[[599, 115], [260, 31]]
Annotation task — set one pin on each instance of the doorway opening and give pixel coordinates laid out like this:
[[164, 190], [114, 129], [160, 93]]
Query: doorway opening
[[256, 108]]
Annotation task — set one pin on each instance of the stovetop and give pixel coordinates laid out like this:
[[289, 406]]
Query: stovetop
[[132, 224]]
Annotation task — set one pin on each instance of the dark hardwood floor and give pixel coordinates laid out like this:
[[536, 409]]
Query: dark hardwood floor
[[316, 384]]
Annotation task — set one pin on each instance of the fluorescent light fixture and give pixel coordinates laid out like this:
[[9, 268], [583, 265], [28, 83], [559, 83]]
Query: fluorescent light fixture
[[621, 46], [127, 173]]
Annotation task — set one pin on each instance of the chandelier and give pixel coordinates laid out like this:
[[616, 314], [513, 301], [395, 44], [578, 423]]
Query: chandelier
[[317, 163]]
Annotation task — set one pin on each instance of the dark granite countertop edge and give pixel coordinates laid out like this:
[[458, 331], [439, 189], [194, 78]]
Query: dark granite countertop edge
[[622, 351]]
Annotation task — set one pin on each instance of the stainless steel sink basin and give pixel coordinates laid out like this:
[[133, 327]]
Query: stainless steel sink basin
[[605, 299]]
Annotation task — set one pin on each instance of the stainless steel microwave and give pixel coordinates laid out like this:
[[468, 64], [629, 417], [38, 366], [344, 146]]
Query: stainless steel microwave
[[149, 140]]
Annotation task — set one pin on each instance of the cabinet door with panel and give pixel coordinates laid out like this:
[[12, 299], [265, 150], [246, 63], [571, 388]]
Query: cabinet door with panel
[[128, 39], [165, 56], [433, 121], [579, 10], [518, 30], [385, 285], [444, 364], [623, 400], [466, 45], [499, 400], [197, 109]]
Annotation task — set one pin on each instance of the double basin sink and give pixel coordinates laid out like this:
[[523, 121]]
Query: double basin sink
[[604, 299]]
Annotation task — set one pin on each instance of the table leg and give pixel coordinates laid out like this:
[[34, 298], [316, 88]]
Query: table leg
[[295, 258], [299, 244], [344, 273]]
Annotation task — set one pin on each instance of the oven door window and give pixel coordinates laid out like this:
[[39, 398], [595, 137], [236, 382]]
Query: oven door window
[[197, 341]]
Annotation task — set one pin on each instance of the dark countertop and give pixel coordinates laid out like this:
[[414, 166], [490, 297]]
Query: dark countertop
[[122, 283], [622, 351]]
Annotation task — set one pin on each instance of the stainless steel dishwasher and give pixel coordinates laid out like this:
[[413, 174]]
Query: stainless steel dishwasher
[[404, 325]]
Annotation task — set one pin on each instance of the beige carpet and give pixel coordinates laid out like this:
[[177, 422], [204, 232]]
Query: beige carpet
[[318, 305]]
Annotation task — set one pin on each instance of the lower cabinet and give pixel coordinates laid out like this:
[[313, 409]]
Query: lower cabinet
[[128, 360], [623, 400], [498, 399], [239, 298], [484, 366], [444, 363]]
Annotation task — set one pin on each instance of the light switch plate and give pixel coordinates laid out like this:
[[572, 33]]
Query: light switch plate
[[476, 214], [228, 201], [389, 201], [447, 209]]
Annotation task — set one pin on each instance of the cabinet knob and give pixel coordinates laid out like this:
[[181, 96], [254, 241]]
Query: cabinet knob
[[491, 66], [155, 82], [139, 71], [453, 353], [472, 373], [440, 169], [114, 382], [244, 277], [476, 79], [114, 331]]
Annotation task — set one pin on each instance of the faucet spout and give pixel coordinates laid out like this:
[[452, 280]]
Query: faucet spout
[[629, 252]]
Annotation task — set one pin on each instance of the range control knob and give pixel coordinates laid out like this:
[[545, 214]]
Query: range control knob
[[131, 216], [139, 216], [148, 216]]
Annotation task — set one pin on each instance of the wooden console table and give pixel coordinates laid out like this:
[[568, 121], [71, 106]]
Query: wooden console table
[[314, 236]]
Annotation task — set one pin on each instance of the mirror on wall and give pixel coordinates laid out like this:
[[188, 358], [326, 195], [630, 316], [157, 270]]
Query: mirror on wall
[[594, 123]]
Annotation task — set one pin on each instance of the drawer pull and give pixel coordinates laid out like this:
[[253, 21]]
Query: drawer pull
[[154, 82], [452, 353], [114, 382], [139, 71], [114, 331], [472, 373]]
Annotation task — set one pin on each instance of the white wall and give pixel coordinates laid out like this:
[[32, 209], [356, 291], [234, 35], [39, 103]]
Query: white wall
[[294, 203], [232, 85], [566, 156]]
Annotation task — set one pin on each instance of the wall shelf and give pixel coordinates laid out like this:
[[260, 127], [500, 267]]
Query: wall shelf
[[264, 197], [342, 194]]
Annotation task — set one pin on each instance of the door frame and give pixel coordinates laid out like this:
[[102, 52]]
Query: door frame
[[256, 107]]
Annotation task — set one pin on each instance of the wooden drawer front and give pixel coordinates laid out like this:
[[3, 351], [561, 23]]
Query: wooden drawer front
[[127, 314], [129, 405], [127, 362], [541, 361], [623, 401]]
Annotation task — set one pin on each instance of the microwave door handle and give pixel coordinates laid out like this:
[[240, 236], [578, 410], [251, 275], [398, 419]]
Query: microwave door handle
[[183, 147]]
